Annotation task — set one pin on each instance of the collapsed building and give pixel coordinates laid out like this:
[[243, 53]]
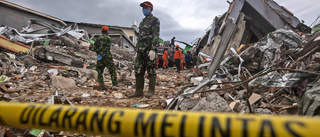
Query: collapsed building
[[258, 51], [253, 20], [18, 17]]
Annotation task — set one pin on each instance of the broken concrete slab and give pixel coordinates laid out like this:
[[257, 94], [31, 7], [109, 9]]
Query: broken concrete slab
[[88, 73], [188, 103], [63, 83], [49, 53], [263, 111], [212, 103]]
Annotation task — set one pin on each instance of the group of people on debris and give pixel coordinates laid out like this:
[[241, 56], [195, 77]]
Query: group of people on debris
[[179, 60], [146, 49]]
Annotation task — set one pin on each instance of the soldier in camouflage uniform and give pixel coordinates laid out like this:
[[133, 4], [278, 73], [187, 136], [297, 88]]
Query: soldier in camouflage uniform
[[146, 51], [104, 58]]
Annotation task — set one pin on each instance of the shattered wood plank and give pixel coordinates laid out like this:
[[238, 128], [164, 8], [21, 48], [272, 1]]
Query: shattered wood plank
[[302, 57], [250, 75], [288, 107], [234, 104], [229, 88], [245, 84], [13, 45], [279, 107], [254, 98], [229, 97], [5, 89]]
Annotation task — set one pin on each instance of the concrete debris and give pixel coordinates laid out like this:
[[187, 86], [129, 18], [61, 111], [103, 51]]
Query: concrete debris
[[188, 104], [263, 111], [275, 43], [240, 66], [212, 103], [263, 75], [62, 82]]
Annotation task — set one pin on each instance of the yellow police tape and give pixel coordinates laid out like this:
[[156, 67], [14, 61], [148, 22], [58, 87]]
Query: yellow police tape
[[133, 122]]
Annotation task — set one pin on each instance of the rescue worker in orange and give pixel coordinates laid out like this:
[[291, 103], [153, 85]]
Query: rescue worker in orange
[[177, 58], [182, 63], [165, 58]]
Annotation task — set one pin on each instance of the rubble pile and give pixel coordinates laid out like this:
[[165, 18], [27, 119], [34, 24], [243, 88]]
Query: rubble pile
[[61, 70], [273, 76]]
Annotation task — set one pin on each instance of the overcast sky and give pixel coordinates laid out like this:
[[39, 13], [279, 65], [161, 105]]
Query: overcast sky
[[187, 20]]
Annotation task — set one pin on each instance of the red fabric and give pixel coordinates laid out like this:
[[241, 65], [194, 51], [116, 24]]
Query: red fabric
[[157, 62], [147, 3], [177, 54]]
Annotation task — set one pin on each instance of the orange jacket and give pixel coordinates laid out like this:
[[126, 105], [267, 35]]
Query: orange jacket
[[177, 54], [165, 55], [182, 63]]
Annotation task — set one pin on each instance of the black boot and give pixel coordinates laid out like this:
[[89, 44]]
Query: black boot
[[114, 81], [139, 87], [152, 85], [100, 88]]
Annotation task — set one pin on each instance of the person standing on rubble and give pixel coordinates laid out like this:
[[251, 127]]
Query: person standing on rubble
[[165, 58], [177, 58], [146, 48], [188, 58], [172, 42], [104, 58]]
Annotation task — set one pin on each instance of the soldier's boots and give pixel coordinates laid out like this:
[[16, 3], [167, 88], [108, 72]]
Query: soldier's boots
[[139, 87], [114, 81], [152, 85], [102, 87]]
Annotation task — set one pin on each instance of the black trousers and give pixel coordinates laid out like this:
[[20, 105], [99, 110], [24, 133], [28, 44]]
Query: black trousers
[[188, 64], [177, 61]]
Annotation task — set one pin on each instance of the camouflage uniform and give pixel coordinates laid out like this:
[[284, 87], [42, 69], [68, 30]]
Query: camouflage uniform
[[147, 40], [102, 46]]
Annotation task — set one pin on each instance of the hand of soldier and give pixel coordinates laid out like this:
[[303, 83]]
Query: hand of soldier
[[152, 55]]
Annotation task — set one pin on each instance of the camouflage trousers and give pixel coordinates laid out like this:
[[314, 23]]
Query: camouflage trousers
[[107, 61], [143, 63]]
